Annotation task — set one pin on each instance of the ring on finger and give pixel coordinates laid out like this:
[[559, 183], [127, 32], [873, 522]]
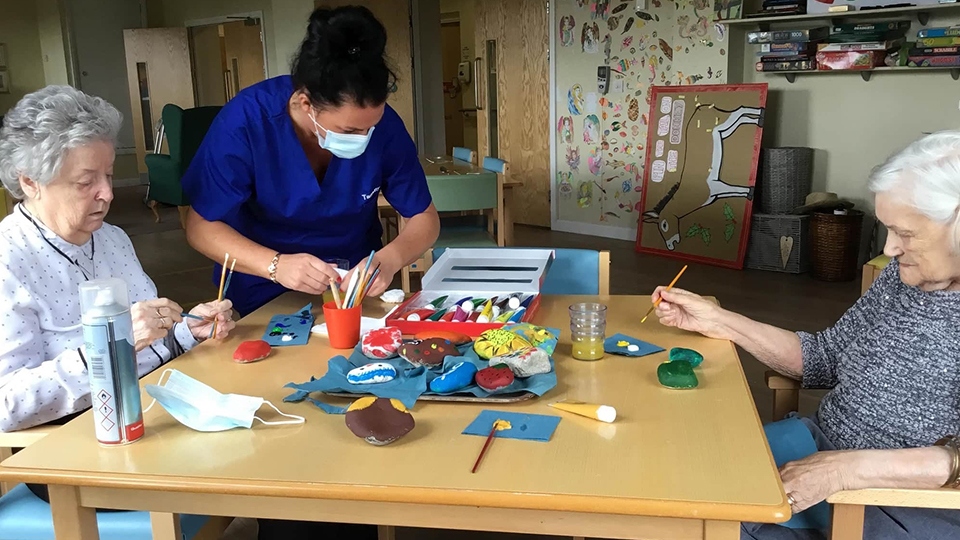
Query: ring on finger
[[159, 314], [790, 500], [163, 322]]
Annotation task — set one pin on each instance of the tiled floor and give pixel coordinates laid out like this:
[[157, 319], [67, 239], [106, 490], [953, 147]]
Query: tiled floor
[[789, 301]]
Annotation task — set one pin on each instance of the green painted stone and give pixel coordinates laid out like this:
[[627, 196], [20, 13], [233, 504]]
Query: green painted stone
[[677, 374], [690, 355]]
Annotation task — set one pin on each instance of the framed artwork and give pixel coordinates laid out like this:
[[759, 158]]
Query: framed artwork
[[700, 170], [3, 55], [4, 82]]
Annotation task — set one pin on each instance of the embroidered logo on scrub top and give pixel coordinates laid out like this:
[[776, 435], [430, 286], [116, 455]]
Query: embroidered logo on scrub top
[[367, 197]]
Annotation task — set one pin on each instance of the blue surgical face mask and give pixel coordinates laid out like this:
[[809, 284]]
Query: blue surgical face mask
[[341, 145], [202, 408]]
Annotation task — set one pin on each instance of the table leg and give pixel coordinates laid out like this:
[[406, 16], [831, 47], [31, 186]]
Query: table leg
[[70, 520], [165, 526], [847, 522], [386, 532], [508, 216], [721, 530]]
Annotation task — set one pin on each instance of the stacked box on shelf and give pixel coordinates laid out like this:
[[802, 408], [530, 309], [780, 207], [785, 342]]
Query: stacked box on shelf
[[788, 50], [936, 47], [476, 273], [861, 45], [777, 8]]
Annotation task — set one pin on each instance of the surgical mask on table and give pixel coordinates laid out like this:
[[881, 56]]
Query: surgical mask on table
[[202, 408]]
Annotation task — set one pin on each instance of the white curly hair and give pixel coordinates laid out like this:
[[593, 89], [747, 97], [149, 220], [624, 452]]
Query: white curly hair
[[44, 125]]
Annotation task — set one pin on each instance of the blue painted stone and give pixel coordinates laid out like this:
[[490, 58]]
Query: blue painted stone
[[372, 374], [459, 376]]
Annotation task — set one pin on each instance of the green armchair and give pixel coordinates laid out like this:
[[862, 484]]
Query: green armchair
[[184, 130]]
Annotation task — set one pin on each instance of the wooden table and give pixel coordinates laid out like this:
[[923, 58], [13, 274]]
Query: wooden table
[[685, 464], [448, 167]]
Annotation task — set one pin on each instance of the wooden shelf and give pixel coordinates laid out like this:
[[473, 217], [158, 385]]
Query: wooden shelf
[[865, 74], [922, 13]]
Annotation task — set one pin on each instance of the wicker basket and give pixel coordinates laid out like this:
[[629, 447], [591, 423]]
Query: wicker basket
[[779, 243], [835, 243], [786, 175]]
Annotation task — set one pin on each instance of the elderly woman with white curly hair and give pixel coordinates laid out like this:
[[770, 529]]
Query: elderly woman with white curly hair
[[892, 362], [56, 155]]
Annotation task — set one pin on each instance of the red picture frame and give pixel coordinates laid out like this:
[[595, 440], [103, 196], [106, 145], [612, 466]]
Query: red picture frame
[[665, 216]]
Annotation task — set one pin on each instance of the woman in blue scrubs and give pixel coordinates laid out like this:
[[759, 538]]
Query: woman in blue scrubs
[[288, 176]]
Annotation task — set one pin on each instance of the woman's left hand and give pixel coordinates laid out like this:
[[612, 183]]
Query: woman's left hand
[[812, 479], [388, 268], [222, 312]]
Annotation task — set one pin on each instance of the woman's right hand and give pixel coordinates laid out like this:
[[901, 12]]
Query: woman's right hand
[[305, 273], [688, 311], [152, 320]]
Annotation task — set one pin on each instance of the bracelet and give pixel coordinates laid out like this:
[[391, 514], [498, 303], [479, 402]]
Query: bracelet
[[951, 443], [272, 269]]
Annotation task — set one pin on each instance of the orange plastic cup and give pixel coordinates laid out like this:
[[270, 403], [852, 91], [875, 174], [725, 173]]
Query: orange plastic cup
[[343, 325]]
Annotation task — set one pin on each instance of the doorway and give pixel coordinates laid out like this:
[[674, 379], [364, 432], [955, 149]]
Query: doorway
[[225, 58], [452, 83]]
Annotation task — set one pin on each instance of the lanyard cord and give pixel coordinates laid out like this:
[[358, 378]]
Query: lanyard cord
[[93, 247]]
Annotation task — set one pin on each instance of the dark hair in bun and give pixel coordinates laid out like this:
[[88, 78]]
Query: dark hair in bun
[[342, 58]]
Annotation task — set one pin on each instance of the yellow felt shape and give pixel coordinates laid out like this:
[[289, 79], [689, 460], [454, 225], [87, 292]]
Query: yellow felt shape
[[498, 342]]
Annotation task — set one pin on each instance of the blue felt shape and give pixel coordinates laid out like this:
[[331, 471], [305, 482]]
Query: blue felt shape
[[296, 327], [527, 427], [460, 376], [327, 408], [610, 346], [411, 381], [790, 440]]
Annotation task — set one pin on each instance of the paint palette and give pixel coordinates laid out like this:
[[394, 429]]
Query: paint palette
[[290, 329], [479, 273]]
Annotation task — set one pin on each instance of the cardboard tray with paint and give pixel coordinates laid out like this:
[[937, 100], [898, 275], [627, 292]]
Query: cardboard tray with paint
[[479, 273]]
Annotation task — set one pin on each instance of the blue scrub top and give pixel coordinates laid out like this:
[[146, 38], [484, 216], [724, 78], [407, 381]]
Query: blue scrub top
[[251, 173]]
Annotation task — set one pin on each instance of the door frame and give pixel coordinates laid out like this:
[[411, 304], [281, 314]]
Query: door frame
[[234, 17]]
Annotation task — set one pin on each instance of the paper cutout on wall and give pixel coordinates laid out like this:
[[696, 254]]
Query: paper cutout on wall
[[585, 194], [657, 169], [595, 161], [607, 41], [627, 25], [568, 27], [591, 129], [620, 8], [633, 111], [658, 151], [600, 9], [564, 186], [573, 158], [667, 51], [565, 129], [575, 99], [719, 30], [590, 38], [627, 41], [613, 22]]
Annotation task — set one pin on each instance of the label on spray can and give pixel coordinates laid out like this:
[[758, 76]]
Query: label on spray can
[[112, 367]]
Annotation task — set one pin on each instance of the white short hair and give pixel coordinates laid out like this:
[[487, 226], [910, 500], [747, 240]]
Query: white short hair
[[927, 173], [44, 125]]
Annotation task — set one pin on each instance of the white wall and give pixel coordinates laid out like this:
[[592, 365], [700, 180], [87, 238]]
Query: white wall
[[18, 30], [50, 29]]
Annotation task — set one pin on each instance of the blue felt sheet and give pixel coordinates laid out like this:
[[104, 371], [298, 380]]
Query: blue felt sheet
[[528, 427], [610, 346], [790, 440], [411, 381], [285, 330]]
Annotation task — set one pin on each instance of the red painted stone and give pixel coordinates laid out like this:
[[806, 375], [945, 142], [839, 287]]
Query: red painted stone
[[381, 343], [251, 351], [494, 378]]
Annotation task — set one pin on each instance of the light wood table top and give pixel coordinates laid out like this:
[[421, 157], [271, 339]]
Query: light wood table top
[[697, 454]]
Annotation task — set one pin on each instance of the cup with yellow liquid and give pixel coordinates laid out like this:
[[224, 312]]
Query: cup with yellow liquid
[[588, 323]]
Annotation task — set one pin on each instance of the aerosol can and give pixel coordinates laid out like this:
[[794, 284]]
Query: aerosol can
[[111, 361]]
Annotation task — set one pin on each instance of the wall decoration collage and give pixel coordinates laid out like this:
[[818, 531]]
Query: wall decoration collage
[[601, 137]]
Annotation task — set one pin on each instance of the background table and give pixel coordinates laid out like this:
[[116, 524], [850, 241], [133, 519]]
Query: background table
[[678, 464], [449, 168]]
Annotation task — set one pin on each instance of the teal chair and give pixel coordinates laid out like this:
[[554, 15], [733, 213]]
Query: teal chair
[[184, 131], [573, 271], [466, 193], [464, 154], [24, 516]]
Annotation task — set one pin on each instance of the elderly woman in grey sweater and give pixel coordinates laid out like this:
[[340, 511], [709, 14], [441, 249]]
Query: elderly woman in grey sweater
[[892, 361]]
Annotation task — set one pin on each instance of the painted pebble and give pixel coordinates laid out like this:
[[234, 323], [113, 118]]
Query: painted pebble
[[459, 376], [374, 373], [251, 351], [525, 363], [494, 378], [381, 343], [379, 421], [428, 352], [690, 355], [498, 342], [456, 337]]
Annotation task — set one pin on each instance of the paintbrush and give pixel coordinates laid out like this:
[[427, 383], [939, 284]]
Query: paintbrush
[[670, 286], [497, 425], [351, 289], [335, 289], [223, 277]]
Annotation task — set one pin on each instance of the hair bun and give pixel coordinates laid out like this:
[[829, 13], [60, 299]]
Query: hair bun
[[347, 33]]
